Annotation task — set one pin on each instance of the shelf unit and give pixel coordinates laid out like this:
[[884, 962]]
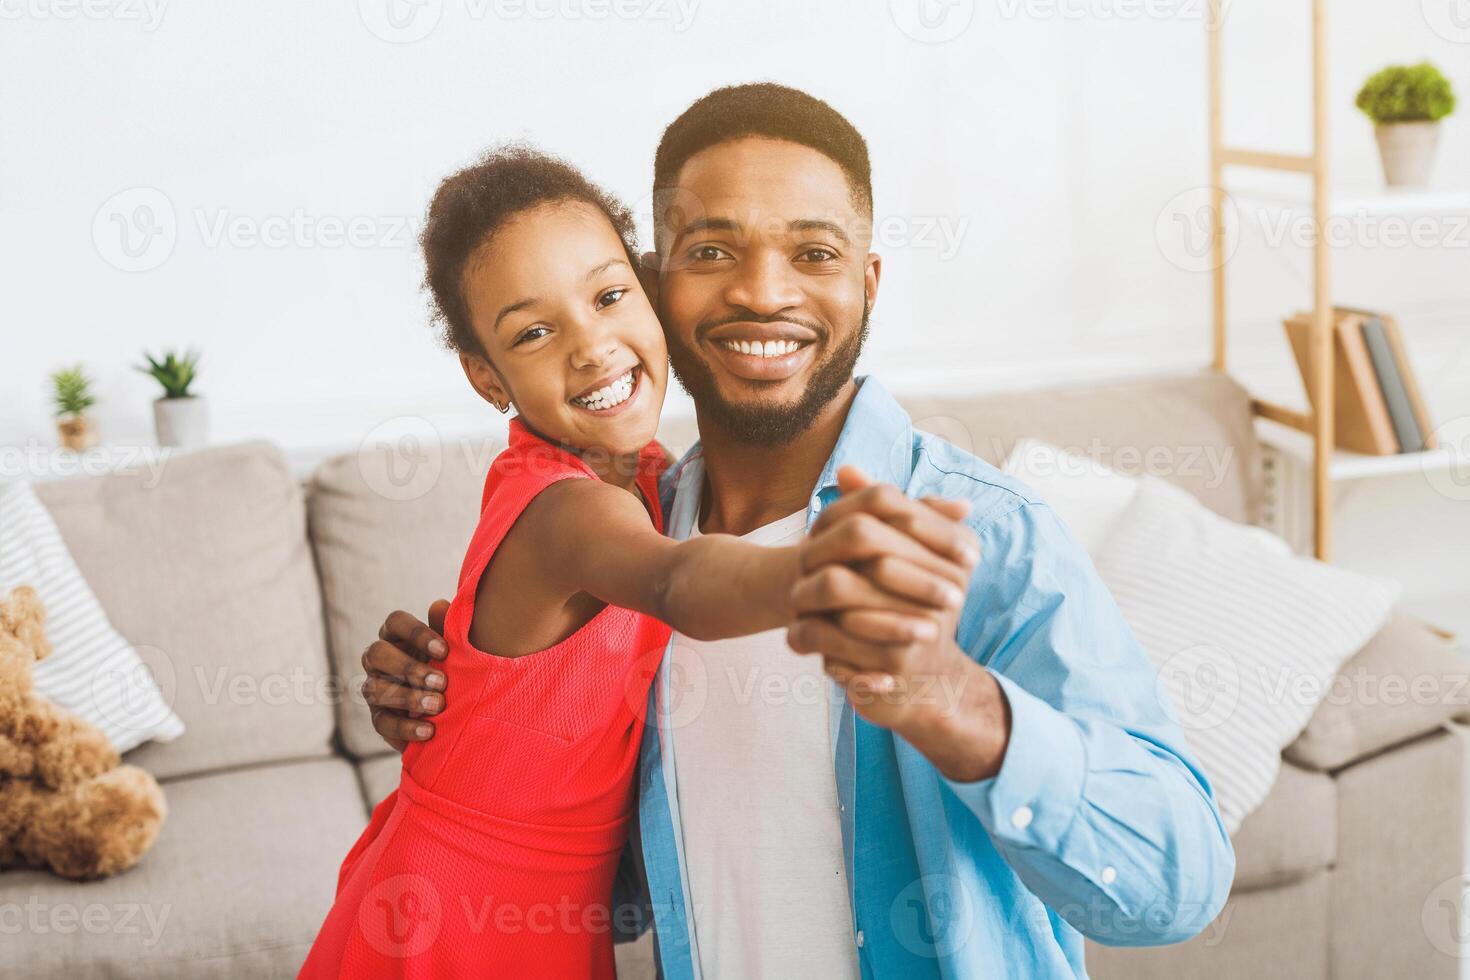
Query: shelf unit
[[1319, 424], [1313, 434]]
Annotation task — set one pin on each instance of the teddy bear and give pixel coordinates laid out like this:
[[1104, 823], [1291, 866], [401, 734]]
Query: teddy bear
[[65, 801]]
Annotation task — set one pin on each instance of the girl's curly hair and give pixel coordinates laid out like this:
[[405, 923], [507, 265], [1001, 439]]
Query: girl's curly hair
[[473, 204]]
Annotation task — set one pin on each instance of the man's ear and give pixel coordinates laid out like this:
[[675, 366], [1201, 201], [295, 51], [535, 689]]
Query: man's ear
[[872, 272], [486, 380], [648, 267]]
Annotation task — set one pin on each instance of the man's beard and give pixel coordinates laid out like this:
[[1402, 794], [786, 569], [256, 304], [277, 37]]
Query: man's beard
[[768, 426]]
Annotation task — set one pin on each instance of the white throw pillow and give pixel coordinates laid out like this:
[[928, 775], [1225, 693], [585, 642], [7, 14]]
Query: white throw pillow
[[1088, 496], [1246, 636], [92, 671]]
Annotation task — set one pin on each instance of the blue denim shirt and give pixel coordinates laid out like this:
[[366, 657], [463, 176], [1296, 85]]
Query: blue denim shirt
[[1099, 823]]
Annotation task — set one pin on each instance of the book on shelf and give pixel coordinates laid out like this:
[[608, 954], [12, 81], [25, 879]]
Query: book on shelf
[[1377, 406]]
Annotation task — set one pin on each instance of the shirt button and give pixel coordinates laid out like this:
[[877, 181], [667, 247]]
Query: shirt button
[[1021, 817], [1109, 875], [860, 939]]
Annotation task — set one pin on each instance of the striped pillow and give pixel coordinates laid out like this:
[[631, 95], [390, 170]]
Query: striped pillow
[[1246, 636], [92, 671]]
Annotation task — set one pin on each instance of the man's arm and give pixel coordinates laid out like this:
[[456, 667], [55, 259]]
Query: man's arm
[[1044, 719], [402, 686]]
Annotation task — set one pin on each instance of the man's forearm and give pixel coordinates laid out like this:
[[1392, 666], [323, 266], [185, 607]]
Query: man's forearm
[[966, 733]]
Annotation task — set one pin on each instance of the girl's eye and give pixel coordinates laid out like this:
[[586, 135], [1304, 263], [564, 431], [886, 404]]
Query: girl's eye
[[610, 297], [818, 255], [708, 253], [530, 334]]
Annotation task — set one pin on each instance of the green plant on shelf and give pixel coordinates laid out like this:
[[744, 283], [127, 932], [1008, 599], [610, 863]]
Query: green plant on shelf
[[71, 392], [1407, 93], [173, 370]]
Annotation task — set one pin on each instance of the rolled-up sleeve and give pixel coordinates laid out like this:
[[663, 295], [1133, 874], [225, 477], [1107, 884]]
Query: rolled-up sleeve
[[1099, 806]]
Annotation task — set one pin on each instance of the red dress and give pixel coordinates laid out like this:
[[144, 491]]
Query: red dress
[[496, 855]]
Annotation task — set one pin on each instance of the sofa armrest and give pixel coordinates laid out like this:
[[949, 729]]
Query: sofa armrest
[[1408, 681]]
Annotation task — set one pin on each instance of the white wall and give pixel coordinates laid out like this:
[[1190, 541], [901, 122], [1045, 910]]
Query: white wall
[[1050, 136]]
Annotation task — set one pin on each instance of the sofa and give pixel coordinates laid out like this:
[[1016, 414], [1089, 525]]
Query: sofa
[[251, 593]]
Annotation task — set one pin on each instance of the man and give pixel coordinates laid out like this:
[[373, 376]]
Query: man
[[1018, 785]]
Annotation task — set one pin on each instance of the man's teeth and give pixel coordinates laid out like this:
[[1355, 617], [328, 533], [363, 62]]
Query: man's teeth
[[608, 396], [769, 348]]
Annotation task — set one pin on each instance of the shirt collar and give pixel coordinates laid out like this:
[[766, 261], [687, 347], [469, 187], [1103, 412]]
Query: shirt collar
[[877, 438]]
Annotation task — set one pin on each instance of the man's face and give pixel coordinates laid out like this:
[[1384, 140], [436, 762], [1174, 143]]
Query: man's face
[[765, 287]]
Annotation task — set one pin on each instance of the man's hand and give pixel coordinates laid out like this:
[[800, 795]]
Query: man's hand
[[402, 687], [927, 689]]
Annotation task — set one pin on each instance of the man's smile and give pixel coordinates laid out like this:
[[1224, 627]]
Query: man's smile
[[763, 351]]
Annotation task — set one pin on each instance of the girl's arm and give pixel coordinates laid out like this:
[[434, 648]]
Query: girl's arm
[[595, 538]]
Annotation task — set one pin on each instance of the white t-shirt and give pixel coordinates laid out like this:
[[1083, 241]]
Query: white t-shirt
[[758, 804]]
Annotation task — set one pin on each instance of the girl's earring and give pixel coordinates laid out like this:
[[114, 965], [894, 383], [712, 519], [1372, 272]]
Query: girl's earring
[[504, 408]]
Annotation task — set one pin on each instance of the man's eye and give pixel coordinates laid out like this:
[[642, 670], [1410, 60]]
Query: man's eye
[[818, 255], [530, 334], [610, 297], [708, 253]]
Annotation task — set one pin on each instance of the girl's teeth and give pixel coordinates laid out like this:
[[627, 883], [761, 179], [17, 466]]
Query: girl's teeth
[[609, 395], [769, 348]]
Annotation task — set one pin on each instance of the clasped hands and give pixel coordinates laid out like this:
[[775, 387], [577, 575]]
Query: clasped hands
[[883, 580]]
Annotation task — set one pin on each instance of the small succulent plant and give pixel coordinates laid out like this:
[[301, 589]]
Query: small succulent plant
[[175, 371], [71, 392]]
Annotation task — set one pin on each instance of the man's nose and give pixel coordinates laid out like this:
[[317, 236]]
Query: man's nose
[[765, 284]]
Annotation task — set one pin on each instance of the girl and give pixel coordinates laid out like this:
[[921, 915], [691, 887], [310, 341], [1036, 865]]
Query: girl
[[497, 853]]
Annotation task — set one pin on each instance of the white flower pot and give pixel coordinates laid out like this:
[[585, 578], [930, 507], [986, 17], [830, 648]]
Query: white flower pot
[[181, 422], [1407, 149]]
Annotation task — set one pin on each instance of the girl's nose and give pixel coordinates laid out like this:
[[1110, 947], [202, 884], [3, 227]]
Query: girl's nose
[[595, 351]]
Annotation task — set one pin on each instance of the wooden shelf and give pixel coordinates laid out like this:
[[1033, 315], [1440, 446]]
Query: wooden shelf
[[1251, 189], [1346, 466]]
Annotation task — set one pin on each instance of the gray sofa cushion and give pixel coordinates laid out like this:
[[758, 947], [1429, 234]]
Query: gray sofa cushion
[[1408, 681], [1195, 431], [206, 570], [379, 777], [1291, 835], [237, 885], [390, 530]]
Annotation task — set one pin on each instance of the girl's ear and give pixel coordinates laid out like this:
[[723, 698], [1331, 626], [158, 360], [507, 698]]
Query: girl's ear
[[486, 380]]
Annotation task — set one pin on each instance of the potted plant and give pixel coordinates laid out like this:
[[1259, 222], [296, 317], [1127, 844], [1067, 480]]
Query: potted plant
[[72, 395], [179, 418], [1406, 103]]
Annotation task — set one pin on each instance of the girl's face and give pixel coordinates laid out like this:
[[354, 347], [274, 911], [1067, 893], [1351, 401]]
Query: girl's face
[[570, 337]]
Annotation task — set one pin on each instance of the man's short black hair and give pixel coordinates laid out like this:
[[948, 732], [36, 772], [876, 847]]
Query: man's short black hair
[[471, 206], [773, 111]]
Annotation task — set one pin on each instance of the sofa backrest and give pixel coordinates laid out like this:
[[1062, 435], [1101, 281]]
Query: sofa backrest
[[203, 565], [389, 526], [1193, 430]]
